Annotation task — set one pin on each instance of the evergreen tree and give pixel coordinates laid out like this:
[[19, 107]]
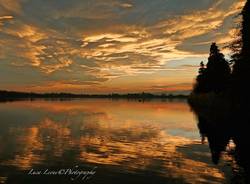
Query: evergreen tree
[[241, 51], [200, 86], [217, 71], [215, 76], [245, 31]]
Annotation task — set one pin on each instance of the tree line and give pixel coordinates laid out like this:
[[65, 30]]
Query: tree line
[[220, 75], [14, 95]]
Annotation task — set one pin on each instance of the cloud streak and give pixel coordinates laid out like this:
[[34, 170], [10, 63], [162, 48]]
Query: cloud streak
[[94, 43]]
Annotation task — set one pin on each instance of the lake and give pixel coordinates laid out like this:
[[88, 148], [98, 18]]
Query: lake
[[112, 141]]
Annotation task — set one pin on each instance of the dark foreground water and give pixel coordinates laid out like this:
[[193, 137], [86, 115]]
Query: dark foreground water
[[104, 141]]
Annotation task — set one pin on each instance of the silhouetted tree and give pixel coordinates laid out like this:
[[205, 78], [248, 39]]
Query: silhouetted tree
[[215, 77], [245, 31], [201, 86], [218, 70], [241, 51], [226, 117]]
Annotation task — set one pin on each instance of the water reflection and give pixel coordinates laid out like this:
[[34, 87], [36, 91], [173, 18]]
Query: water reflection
[[151, 142], [225, 126]]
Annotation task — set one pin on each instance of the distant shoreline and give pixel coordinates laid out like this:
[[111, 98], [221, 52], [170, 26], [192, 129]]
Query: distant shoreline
[[14, 95]]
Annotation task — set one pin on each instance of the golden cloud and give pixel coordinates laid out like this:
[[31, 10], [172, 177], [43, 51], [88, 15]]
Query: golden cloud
[[97, 47]]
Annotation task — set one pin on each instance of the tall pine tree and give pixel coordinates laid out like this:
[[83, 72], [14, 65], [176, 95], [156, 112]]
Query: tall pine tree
[[218, 70], [215, 77], [201, 84], [241, 68]]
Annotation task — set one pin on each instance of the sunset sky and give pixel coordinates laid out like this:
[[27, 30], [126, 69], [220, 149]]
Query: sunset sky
[[103, 46]]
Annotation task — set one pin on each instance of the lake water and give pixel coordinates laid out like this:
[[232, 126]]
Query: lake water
[[119, 141]]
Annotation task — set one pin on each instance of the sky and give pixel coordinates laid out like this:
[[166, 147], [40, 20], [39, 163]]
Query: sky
[[105, 46]]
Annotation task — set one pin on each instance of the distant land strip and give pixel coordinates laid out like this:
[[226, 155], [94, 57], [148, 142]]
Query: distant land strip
[[9, 95]]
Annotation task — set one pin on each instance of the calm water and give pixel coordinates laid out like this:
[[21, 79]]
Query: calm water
[[121, 141]]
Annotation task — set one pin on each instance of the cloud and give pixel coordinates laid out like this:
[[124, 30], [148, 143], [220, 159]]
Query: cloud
[[3, 19], [173, 87], [6, 17], [106, 40], [13, 6], [126, 5], [199, 22]]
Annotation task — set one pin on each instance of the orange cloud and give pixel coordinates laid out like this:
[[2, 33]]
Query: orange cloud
[[79, 45]]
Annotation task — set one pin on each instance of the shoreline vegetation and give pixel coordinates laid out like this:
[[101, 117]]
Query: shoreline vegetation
[[221, 99], [224, 77], [14, 95]]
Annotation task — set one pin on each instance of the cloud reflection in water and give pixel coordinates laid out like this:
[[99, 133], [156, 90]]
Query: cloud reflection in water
[[134, 137]]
